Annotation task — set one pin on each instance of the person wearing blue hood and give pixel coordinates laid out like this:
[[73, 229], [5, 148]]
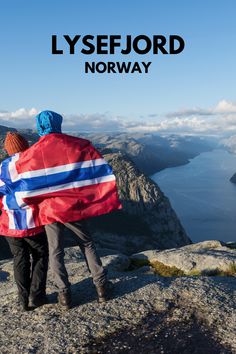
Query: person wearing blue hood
[[48, 122], [54, 148]]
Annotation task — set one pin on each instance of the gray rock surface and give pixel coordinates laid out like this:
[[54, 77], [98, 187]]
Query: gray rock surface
[[206, 256], [147, 313]]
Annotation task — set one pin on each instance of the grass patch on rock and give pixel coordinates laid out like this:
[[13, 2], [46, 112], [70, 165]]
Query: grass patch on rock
[[164, 270], [158, 267], [232, 268], [229, 272]]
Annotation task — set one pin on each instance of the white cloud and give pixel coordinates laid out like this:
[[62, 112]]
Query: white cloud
[[217, 120], [225, 107], [190, 112], [20, 113], [21, 118], [25, 118]]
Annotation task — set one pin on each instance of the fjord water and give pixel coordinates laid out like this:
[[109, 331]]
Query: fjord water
[[202, 195]]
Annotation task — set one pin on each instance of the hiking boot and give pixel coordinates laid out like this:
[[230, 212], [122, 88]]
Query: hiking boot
[[24, 305], [104, 291], [64, 299]]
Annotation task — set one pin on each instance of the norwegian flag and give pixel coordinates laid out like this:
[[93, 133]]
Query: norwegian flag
[[60, 178]]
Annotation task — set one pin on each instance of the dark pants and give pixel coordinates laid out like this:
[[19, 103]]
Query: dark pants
[[55, 234], [30, 265]]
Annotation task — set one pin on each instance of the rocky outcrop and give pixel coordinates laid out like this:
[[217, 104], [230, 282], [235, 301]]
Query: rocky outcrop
[[147, 220], [205, 257], [146, 314]]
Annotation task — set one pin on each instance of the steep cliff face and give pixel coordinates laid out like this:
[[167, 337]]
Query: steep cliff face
[[147, 219]]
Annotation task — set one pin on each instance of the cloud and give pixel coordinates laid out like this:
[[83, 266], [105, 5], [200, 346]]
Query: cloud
[[190, 112], [173, 125], [96, 122], [21, 113], [21, 118], [225, 107], [153, 115], [219, 119]]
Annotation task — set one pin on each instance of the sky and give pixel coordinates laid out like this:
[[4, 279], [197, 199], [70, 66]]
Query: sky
[[189, 92]]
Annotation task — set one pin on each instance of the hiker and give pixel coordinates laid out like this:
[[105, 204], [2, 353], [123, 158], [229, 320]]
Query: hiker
[[30, 274], [48, 125], [65, 180]]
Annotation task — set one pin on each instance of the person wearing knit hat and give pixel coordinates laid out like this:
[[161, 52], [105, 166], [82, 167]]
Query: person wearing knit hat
[[30, 280], [14, 143]]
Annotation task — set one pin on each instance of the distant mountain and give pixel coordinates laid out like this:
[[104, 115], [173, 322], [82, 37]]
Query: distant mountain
[[4, 129], [151, 152]]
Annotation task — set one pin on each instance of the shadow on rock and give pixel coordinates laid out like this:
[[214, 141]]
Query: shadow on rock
[[158, 334], [84, 291]]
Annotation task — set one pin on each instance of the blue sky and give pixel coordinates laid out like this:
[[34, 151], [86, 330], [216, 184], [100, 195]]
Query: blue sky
[[194, 85]]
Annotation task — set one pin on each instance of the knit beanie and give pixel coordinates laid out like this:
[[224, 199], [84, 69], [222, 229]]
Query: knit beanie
[[14, 143], [48, 122]]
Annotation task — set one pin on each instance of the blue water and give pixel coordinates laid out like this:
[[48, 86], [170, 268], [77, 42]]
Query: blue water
[[202, 195]]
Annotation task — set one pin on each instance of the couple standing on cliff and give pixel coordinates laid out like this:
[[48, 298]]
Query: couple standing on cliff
[[55, 184]]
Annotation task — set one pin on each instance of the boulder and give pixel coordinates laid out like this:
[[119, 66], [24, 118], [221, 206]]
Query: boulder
[[205, 257]]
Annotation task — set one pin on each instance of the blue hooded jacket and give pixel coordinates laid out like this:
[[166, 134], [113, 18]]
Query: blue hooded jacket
[[48, 122]]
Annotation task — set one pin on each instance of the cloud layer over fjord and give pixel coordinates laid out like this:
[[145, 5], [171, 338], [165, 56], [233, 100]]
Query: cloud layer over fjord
[[216, 120]]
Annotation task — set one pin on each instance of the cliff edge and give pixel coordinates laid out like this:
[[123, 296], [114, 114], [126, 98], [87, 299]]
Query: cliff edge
[[147, 313]]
